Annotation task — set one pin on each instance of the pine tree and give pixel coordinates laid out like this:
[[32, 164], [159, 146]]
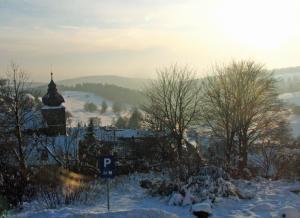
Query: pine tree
[[88, 147], [90, 132], [103, 107], [135, 119], [121, 123]]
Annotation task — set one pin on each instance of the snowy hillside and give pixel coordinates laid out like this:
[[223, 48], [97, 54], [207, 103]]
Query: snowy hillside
[[74, 103], [75, 100], [284, 76]]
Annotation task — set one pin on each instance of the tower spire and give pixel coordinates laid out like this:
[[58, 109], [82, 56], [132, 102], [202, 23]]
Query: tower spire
[[51, 72], [52, 98]]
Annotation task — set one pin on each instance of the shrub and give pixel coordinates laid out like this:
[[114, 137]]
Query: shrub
[[4, 206], [13, 186], [54, 197], [90, 107], [288, 164]]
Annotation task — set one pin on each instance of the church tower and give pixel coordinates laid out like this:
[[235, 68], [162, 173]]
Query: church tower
[[53, 111]]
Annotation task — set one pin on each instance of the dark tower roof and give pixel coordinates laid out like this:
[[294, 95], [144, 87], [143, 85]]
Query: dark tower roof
[[52, 98]]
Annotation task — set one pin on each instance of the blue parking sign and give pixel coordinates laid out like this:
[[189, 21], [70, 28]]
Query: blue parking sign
[[107, 166]]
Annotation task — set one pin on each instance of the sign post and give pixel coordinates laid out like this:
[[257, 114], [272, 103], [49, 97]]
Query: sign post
[[107, 171], [107, 188]]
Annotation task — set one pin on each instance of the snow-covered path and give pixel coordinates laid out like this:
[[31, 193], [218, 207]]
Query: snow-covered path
[[270, 198]]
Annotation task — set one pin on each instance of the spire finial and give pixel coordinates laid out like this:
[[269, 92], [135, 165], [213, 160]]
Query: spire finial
[[51, 72]]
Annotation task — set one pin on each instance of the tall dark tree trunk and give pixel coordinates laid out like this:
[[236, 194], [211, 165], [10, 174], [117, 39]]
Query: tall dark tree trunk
[[179, 149], [20, 142], [243, 153]]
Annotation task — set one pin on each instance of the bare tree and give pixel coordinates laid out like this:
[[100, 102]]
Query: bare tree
[[240, 104], [17, 115], [17, 109], [173, 103], [219, 111]]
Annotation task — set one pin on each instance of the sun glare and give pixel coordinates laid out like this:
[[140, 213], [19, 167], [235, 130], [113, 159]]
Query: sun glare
[[261, 24]]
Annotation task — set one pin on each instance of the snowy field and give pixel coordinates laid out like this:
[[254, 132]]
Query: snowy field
[[128, 199], [293, 98], [75, 100], [74, 103]]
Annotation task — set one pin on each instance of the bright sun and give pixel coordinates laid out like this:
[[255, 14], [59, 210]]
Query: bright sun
[[259, 23]]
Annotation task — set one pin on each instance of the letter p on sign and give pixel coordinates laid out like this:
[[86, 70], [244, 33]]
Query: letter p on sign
[[107, 166], [107, 161]]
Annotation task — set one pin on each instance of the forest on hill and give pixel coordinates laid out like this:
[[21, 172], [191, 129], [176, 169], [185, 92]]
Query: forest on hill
[[121, 81], [110, 92]]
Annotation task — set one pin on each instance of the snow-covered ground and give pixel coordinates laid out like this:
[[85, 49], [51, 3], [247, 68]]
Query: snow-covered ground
[[293, 98], [74, 103], [128, 199]]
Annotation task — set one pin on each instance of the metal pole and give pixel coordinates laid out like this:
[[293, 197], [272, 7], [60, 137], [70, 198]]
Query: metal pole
[[107, 186]]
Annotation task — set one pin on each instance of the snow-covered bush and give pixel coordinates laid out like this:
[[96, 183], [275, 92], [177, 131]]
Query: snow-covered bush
[[212, 182], [182, 198], [163, 188], [176, 199]]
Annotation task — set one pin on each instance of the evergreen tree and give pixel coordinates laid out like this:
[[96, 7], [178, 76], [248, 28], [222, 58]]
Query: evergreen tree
[[88, 147], [96, 121], [103, 107], [135, 119], [121, 122], [90, 107], [90, 132]]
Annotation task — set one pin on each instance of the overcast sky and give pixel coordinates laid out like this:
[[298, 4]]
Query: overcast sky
[[136, 37]]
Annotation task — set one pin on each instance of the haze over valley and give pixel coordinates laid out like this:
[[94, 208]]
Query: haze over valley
[[157, 109]]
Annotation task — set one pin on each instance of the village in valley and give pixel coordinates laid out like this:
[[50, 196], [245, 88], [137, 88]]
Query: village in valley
[[64, 146]]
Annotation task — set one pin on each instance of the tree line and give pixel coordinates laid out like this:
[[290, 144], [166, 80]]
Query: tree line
[[237, 104], [110, 92]]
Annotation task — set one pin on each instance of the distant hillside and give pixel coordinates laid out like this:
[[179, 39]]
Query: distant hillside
[[126, 82], [288, 79], [111, 92], [287, 70]]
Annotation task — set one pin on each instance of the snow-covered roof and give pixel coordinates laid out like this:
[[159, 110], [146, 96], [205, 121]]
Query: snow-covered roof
[[52, 107]]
